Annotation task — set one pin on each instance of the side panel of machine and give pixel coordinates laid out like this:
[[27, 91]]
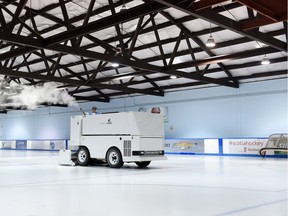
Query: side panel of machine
[[99, 145], [75, 130], [148, 124], [151, 144], [106, 124], [129, 147]]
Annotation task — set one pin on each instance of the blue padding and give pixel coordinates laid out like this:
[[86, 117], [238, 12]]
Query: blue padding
[[237, 155], [220, 141]]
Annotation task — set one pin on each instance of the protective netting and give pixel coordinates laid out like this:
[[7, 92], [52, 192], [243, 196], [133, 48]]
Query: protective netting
[[277, 144], [277, 141]]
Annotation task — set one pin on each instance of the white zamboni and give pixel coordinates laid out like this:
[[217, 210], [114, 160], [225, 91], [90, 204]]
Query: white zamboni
[[116, 138]]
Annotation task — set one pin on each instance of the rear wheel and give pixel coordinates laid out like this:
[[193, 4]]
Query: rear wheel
[[114, 158], [143, 163], [83, 156]]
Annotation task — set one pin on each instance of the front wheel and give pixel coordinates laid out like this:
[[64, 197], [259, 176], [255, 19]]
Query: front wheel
[[83, 156], [114, 158], [143, 164]]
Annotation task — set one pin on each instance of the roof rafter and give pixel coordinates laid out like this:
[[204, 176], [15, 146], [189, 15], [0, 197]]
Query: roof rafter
[[121, 60], [74, 82], [223, 58], [200, 44], [218, 19], [75, 43]]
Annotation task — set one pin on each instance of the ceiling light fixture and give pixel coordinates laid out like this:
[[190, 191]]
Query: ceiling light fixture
[[115, 65], [210, 42], [123, 77], [173, 77], [265, 60]]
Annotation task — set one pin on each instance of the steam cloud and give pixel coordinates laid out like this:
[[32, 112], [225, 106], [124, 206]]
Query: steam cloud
[[33, 96]]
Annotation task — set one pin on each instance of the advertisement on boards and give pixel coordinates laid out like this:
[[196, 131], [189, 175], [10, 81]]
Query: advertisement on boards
[[55, 144], [21, 144], [184, 146], [243, 146], [6, 144]]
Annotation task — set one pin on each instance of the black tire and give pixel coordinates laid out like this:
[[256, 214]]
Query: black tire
[[114, 158], [143, 164], [83, 156]]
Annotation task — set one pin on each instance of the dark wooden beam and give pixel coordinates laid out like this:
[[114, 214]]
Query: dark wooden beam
[[267, 12], [106, 22], [223, 58], [91, 98], [19, 9], [251, 24], [199, 43], [75, 82], [159, 44], [199, 5], [220, 20]]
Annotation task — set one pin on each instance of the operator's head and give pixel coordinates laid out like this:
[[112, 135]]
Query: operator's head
[[94, 109]]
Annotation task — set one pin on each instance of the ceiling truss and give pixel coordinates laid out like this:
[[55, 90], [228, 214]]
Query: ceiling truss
[[32, 53]]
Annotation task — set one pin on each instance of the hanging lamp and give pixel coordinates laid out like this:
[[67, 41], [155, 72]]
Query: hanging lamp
[[210, 42]]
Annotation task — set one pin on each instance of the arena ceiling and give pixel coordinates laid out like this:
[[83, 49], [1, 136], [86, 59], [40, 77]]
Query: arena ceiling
[[159, 45]]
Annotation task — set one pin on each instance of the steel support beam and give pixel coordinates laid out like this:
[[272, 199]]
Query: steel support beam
[[223, 58], [220, 20], [7, 72], [122, 61]]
